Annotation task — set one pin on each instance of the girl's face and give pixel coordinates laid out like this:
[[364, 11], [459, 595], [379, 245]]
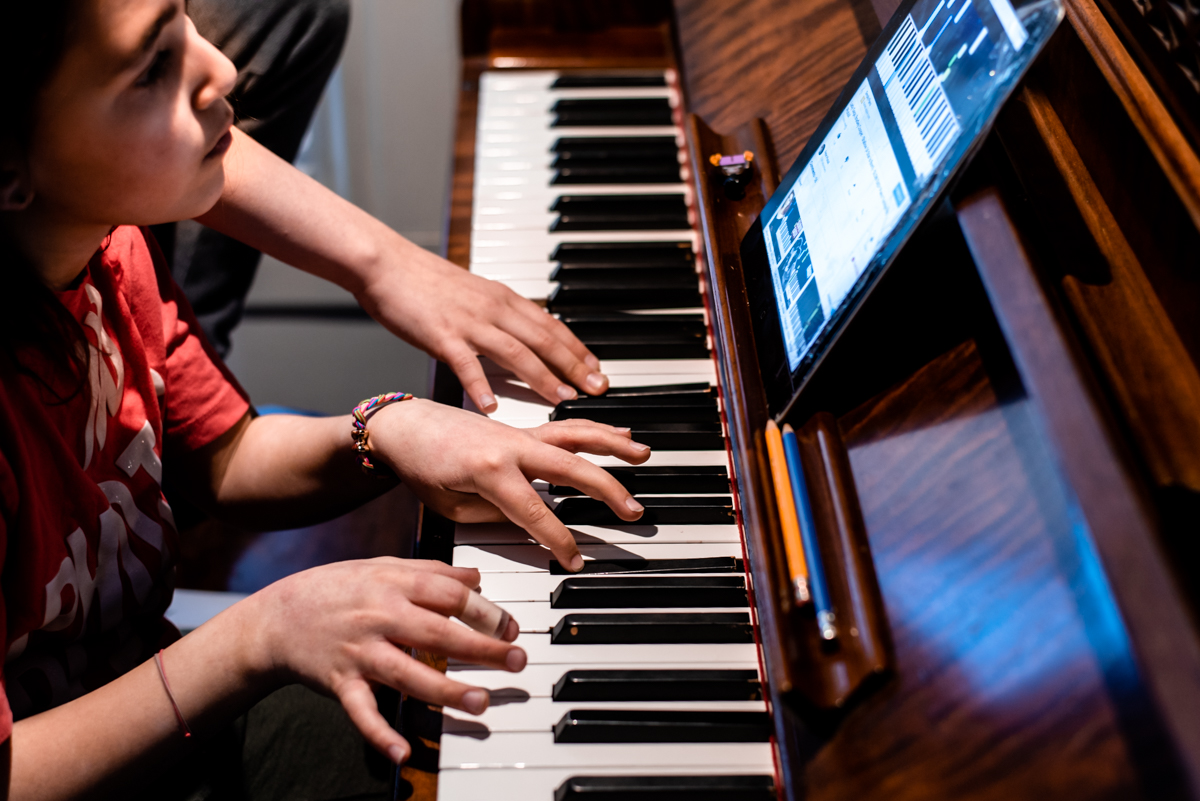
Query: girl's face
[[133, 127]]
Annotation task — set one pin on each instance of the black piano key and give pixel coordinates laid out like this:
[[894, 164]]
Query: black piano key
[[621, 273], [617, 172], [710, 564], [694, 388], [649, 592], [667, 726], [621, 221], [613, 335], [599, 151], [612, 204], [632, 111], [662, 480], [661, 628], [620, 212], [667, 788], [645, 409], [642, 295], [705, 510], [603, 80], [647, 326], [625, 145], [627, 254], [679, 436], [658, 685]]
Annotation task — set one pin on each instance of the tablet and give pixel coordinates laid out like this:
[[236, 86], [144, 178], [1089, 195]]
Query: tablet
[[915, 110]]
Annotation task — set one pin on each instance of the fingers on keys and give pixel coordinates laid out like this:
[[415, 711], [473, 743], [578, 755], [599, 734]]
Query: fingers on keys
[[521, 504], [561, 350], [595, 438]]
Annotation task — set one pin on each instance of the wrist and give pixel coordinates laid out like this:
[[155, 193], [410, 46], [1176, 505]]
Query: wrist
[[388, 429]]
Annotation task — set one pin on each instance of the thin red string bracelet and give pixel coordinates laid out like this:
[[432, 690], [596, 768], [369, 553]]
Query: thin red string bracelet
[[167, 686]]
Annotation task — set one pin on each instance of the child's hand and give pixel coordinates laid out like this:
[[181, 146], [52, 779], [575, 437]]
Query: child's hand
[[341, 628], [476, 470]]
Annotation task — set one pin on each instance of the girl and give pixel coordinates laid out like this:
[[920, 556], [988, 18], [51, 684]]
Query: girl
[[115, 117]]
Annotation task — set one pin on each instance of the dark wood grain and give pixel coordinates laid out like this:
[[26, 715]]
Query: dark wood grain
[[458, 226], [1121, 525], [782, 61]]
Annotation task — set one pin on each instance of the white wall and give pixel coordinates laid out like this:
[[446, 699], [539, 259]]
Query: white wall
[[383, 138]]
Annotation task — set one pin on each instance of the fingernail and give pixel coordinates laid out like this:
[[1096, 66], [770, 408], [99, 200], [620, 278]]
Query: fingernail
[[486, 403], [639, 447], [592, 362], [475, 701], [597, 382], [566, 393], [622, 430], [576, 563], [515, 661], [396, 754], [633, 505]]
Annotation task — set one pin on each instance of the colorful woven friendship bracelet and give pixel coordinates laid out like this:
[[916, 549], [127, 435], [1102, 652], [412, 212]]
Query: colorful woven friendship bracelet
[[358, 430]]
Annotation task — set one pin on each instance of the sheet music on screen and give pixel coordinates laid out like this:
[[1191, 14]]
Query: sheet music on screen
[[882, 150]]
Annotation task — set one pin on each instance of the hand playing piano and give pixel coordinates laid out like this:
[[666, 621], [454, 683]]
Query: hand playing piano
[[457, 317], [341, 628], [475, 470]]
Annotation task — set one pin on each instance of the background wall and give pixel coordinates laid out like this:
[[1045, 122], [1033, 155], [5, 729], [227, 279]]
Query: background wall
[[383, 138]]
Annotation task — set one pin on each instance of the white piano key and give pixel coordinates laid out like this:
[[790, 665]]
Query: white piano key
[[535, 558], [638, 373], [510, 534], [648, 369], [538, 750], [515, 134], [545, 194], [547, 97], [668, 459], [492, 247], [539, 784], [509, 81], [515, 587], [514, 272], [526, 221], [526, 240], [540, 651], [540, 714], [531, 288], [538, 617]]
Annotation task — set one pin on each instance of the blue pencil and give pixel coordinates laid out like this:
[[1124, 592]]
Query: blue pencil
[[818, 586]]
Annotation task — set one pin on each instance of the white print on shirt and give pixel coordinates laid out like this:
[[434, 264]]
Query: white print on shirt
[[140, 453], [118, 570], [113, 557], [106, 389]]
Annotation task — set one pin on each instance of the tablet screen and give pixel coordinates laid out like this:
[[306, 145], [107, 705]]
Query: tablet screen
[[918, 105]]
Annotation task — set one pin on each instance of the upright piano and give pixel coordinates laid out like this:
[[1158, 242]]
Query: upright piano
[[1002, 448]]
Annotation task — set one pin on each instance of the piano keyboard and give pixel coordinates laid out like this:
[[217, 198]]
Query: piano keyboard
[[643, 675]]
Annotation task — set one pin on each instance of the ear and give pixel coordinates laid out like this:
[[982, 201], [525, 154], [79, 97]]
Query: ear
[[16, 184]]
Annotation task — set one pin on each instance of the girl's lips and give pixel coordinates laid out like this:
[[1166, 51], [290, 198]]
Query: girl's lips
[[221, 146]]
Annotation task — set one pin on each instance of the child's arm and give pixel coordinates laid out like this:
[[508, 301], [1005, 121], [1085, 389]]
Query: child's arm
[[337, 628], [282, 471], [424, 299]]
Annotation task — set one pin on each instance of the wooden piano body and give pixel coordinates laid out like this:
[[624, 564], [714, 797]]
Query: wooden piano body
[[1019, 401]]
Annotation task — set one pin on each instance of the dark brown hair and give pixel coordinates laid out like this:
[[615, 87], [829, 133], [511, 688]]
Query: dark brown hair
[[33, 38]]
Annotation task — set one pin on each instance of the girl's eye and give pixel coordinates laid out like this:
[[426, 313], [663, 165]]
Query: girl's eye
[[156, 69]]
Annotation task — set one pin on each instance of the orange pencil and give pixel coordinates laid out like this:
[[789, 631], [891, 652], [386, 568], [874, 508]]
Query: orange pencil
[[793, 546]]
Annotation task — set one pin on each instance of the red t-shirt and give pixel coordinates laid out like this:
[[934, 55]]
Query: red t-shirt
[[86, 537]]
